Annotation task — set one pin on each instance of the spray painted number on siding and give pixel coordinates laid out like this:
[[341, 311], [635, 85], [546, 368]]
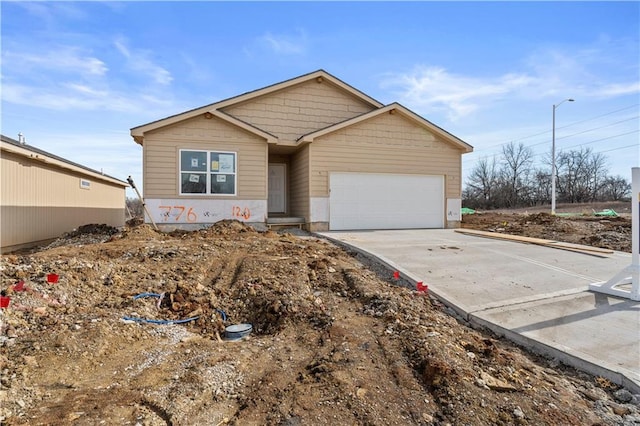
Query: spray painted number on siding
[[191, 212], [178, 212], [240, 213]]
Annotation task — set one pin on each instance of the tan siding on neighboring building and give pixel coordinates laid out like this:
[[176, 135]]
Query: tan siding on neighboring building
[[384, 144], [41, 201], [27, 182], [26, 226], [161, 156], [298, 110], [299, 192]]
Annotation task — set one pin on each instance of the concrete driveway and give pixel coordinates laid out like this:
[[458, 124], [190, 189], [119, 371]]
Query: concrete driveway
[[536, 296]]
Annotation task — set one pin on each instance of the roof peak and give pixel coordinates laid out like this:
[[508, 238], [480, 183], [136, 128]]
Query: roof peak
[[138, 131]]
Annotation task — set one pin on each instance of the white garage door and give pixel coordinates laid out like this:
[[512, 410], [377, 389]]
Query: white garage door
[[385, 201]]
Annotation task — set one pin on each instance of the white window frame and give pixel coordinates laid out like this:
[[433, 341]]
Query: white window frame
[[208, 173]]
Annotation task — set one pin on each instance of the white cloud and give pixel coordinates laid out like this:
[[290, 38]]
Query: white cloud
[[286, 44], [436, 89], [67, 78], [78, 96], [51, 12], [194, 71], [546, 73], [140, 61], [617, 89], [62, 58]]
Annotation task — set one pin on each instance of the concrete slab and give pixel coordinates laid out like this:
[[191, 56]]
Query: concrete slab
[[537, 296]]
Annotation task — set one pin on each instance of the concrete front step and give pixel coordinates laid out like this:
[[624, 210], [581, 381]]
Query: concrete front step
[[285, 222]]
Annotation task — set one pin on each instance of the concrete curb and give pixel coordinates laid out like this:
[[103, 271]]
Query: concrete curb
[[533, 345], [564, 357]]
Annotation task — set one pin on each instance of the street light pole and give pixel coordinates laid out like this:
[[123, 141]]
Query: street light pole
[[553, 157]]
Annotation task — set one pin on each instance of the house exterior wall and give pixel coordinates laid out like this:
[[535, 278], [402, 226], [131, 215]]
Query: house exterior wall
[[298, 110], [161, 156], [299, 192], [388, 143], [316, 125], [161, 173], [41, 201]]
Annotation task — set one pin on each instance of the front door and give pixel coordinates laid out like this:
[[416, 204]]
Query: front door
[[277, 188]]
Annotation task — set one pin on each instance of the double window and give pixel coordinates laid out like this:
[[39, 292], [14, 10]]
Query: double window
[[208, 172]]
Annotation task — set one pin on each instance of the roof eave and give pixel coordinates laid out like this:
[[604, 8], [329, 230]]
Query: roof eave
[[244, 125], [465, 147], [391, 108], [35, 154], [319, 75]]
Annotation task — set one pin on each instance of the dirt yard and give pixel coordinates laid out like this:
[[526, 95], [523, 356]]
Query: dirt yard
[[335, 341], [581, 226]]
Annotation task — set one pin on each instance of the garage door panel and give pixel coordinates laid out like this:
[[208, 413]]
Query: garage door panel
[[385, 201]]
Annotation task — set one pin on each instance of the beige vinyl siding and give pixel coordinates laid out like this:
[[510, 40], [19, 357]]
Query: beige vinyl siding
[[27, 182], [299, 192], [26, 226], [161, 156], [300, 109], [387, 143], [41, 201]]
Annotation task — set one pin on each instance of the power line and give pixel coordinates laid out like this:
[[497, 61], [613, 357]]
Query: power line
[[604, 139], [539, 154], [598, 116], [598, 128], [562, 127], [635, 145]]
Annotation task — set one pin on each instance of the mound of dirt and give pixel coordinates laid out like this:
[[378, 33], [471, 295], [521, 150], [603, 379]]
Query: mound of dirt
[[605, 232], [335, 340], [86, 234]]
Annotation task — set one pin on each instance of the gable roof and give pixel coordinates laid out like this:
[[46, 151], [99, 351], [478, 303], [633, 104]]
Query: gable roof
[[391, 108], [321, 75], [31, 152], [244, 125]]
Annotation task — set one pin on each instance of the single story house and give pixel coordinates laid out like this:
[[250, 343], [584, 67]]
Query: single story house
[[42, 196], [311, 149]]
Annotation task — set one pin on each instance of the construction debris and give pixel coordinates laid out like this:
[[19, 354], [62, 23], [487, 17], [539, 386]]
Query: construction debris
[[606, 212], [609, 232], [592, 251], [335, 339]]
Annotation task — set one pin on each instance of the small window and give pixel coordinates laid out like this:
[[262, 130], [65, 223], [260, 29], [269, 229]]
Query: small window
[[85, 184], [208, 172]]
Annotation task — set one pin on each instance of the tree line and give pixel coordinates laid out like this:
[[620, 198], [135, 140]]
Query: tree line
[[511, 179]]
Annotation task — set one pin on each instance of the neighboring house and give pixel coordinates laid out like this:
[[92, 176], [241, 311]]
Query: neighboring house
[[43, 196], [311, 148]]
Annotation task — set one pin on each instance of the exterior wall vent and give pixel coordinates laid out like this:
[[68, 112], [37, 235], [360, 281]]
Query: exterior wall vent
[[85, 184]]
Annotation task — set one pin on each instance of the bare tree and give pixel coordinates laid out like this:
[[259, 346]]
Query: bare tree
[[516, 168], [482, 182], [134, 207], [540, 187], [581, 175], [510, 180], [615, 189]]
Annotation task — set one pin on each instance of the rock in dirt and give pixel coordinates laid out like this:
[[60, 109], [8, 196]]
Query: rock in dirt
[[334, 341]]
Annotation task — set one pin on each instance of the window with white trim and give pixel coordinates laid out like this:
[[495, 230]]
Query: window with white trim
[[208, 172]]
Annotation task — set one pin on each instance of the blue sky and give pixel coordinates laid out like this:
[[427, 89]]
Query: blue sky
[[76, 76]]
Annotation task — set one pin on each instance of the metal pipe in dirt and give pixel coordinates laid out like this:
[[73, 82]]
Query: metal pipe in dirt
[[144, 205]]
